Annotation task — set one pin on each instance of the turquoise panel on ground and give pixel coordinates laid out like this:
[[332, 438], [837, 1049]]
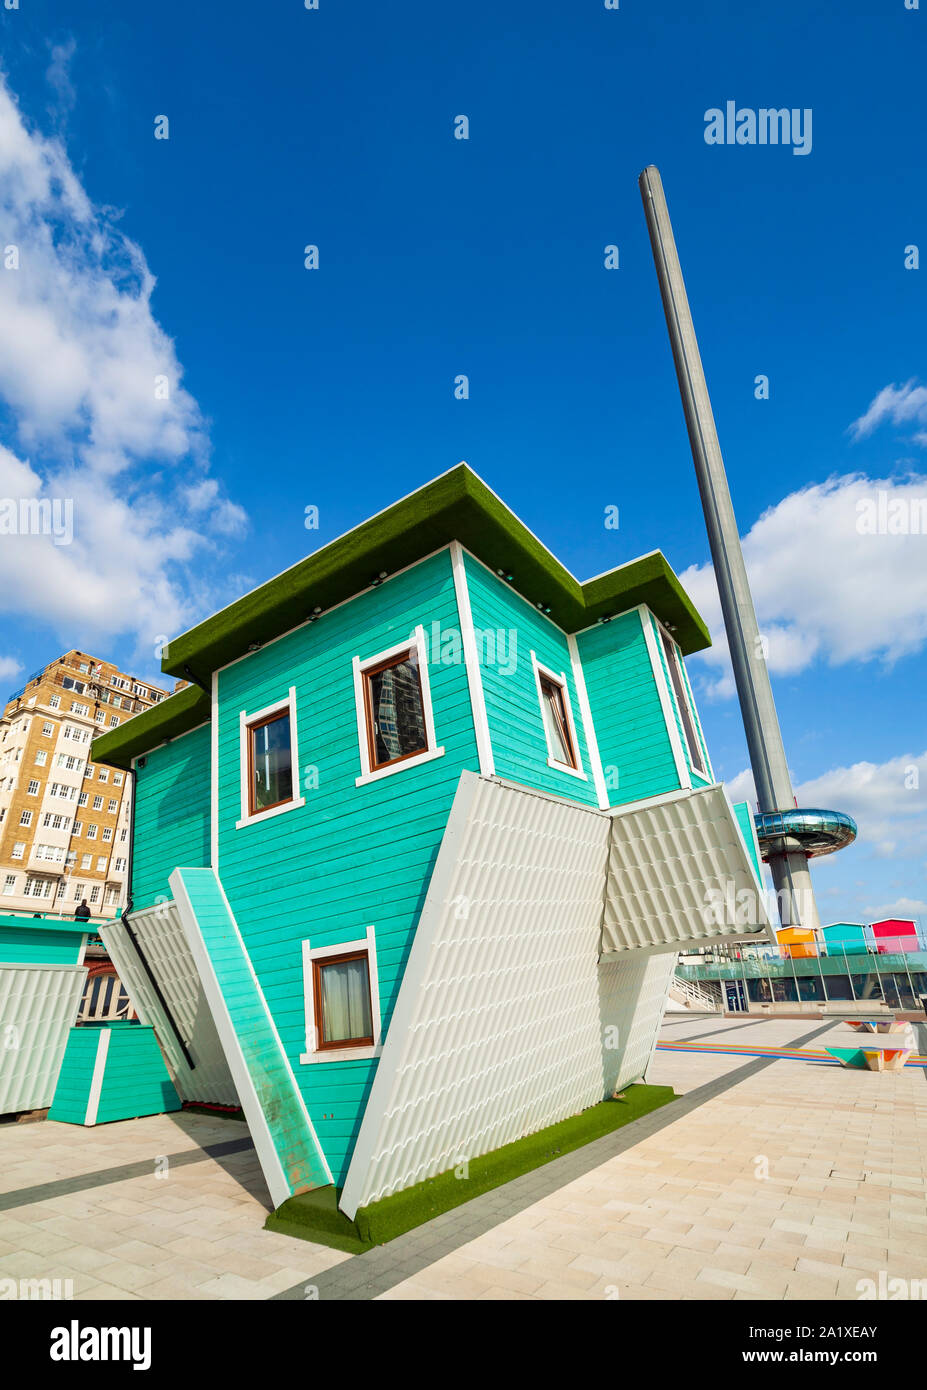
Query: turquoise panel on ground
[[23, 945], [135, 1080], [73, 1087], [171, 815], [351, 856], [508, 629], [260, 1052], [634, 742]]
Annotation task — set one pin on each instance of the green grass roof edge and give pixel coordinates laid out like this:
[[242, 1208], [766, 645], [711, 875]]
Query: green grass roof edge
[[456, 506]]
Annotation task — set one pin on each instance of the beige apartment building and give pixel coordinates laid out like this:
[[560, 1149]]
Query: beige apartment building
[[64, 821]]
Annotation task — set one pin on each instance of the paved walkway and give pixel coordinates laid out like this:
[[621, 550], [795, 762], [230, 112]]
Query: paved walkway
[[767, 1179]]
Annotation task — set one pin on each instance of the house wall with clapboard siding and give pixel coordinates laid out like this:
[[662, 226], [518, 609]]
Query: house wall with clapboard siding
[[634, 742], [172, 809], [513, 709], [351, 856]]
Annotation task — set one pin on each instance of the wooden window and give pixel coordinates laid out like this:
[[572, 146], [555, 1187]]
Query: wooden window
[[343, 1011], [556, 722], [394, 707], [270, 767]]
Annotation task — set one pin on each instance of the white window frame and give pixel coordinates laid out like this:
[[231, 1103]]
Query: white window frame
[[367, 943], [245, 721], [557, 678], [417, 643]]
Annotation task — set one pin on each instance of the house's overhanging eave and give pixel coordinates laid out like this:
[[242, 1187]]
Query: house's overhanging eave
[[176, 715]]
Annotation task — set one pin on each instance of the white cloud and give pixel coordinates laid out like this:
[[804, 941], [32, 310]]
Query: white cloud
[[9, 668], [99, 412], [902, 405], [901, 907], [838, 572], [887, 800]]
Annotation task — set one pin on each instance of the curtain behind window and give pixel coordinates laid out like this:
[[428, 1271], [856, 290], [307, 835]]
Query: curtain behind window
[[345, 993]]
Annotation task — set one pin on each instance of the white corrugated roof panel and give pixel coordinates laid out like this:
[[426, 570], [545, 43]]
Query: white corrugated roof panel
[[679, 872]]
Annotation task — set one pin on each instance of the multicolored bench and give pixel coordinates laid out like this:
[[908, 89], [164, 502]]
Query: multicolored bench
[[871, 1058]]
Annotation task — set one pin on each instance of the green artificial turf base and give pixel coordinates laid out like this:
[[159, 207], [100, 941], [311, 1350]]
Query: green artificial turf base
[[315, 1215]]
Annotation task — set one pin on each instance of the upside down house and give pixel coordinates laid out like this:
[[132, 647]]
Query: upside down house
[[415, 849]]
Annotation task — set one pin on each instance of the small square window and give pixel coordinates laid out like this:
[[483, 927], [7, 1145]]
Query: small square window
[[343, 1012], [270, 766]]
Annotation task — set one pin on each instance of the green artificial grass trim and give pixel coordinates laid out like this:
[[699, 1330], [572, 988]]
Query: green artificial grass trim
[[174, 716], [315, 1215]]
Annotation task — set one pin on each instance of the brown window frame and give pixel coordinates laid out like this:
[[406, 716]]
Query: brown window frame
[[253, 809], [366, 673], [563, 719], [318, 965]]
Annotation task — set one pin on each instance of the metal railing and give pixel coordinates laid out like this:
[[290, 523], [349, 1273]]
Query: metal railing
[[886, 970]]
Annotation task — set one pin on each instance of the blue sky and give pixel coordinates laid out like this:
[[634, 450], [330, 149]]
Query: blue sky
[[482, 257]]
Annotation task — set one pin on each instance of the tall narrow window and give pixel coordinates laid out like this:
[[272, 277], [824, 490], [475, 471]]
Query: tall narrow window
[[682, 703], [557, 718], [343, 1013], [556, 724], [395, 710], [270, 763]]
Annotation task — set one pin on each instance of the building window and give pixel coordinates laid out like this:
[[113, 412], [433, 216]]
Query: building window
[[41, 757], [342, 1000], [103, 774], [120, 866], [117, 779], [26, 818], [86, 860], [394, 715], [48, 730], [112, 807], [557, 716], [107, 833], [18, 849], [32, 789], [268, 760], [114, 722], [95, 893], [683, 705], [38, 887], [91, 832], [98, 803], [82, 799], [101, 863], [78, 829], [270, 775], [9, 885], [78, 891], [55, 702]]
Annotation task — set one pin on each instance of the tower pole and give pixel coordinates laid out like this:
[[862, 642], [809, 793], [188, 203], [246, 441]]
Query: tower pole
[[788, 865]]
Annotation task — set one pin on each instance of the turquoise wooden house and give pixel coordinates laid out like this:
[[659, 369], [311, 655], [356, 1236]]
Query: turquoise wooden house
[[416, 848]]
